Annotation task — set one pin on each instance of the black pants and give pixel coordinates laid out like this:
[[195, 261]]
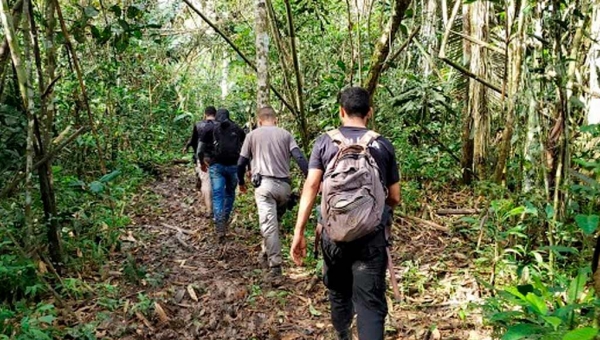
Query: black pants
[[355, 277]]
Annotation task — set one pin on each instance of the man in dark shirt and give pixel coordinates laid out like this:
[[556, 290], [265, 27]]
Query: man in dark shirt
[[354, 271], [223, 170], [203, 179], [270, 148]]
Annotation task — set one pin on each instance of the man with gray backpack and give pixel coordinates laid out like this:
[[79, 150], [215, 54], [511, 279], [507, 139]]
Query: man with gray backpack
[[356, 170]]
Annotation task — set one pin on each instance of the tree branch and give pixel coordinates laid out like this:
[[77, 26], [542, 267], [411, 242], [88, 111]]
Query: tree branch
[[402, 47], [20, 175], [237, 50], [382, 49]]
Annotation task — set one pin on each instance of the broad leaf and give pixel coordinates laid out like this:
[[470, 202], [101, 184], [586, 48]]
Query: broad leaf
[[587, 223], [587, 333], [537, 303], [96, 187], [576, 287], [47, 319], [554, 321], [521, 331], [109, 177], [91, 11]]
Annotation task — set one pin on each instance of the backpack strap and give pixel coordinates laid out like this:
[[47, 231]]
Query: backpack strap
[[337, 137], [368, 138]]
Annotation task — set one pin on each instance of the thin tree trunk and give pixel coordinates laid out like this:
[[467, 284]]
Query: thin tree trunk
[[593, 114], [299, 88], [515, 50], [283, 55], [45, 170], [428, 35], [477, 102], [28, 104], [262, 55], [467, 121], [382, 48], [4, 49]]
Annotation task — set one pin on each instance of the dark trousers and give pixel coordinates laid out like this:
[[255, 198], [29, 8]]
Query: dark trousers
[[355, 277]]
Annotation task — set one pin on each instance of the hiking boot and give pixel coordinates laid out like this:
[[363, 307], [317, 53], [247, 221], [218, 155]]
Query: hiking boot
[[263, 260], [344, 335], [275, 277], [275, 272]]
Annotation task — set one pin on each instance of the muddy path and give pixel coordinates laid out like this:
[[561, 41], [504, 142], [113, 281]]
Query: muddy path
[[175, 282]]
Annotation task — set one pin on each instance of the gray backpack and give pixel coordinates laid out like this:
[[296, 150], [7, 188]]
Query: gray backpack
[[353, 195]]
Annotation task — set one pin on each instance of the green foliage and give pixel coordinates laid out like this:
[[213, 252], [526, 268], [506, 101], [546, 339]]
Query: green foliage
[[538, 311]]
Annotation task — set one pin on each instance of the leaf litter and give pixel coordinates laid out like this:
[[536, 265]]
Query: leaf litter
[[201, 290]]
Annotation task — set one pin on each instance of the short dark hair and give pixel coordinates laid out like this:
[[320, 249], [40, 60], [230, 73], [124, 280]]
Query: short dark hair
[[210, 111], [267, 113], [356, 101]]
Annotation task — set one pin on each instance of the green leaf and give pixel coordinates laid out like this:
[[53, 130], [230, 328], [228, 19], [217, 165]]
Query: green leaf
[[576, 287], [514, 212], [133, 11], [116, 10], [47, 319], [182, 116], [521, 331], [109, 177], [553, 320], [587, 333], [587, 223], [537, 303], [313, 311], [91, 12], [96, 187]]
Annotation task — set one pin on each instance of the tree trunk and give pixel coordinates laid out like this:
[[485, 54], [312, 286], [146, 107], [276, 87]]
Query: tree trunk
[[262, 55], [593, 114], [467, 121], [515, 50], [43, 135], [27, 97], [428, 34], [382, 48], [299, 88], [477, 101]]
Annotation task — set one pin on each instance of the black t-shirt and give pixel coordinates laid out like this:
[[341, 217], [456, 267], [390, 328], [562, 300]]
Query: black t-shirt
[[381, 149]]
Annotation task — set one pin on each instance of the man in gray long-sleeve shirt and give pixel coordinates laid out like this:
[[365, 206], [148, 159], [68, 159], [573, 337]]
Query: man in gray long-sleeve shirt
[[269, 149]]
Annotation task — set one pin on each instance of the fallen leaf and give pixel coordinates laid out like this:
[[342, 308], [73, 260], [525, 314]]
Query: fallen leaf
[[192, 293], [160, 312], [42, 267]]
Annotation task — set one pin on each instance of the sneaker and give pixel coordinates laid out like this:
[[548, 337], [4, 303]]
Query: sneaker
[[344, 335]]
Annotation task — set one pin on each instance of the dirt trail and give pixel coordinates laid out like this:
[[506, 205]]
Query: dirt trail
[[195, 289]]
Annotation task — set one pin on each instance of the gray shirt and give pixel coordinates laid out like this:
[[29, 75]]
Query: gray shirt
[[269, 148]]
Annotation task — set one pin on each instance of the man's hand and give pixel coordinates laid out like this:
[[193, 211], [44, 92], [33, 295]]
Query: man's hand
[[243, 189], [298, 250], [203, 166]]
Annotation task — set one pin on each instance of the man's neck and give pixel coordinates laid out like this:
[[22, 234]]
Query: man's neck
[[359, 123], [210, 118], [267, 124]]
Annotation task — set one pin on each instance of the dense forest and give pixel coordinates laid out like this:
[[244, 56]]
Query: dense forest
[[493, 108]]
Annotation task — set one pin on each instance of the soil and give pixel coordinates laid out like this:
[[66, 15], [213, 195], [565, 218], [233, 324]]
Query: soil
[[176, 282]]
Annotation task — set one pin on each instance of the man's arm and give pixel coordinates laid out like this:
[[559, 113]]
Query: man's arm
[[241, 170], [192, 141], [393, 197], [307, 201], [300, 160]]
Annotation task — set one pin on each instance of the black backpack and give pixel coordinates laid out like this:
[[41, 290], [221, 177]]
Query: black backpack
[[228, 139]]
